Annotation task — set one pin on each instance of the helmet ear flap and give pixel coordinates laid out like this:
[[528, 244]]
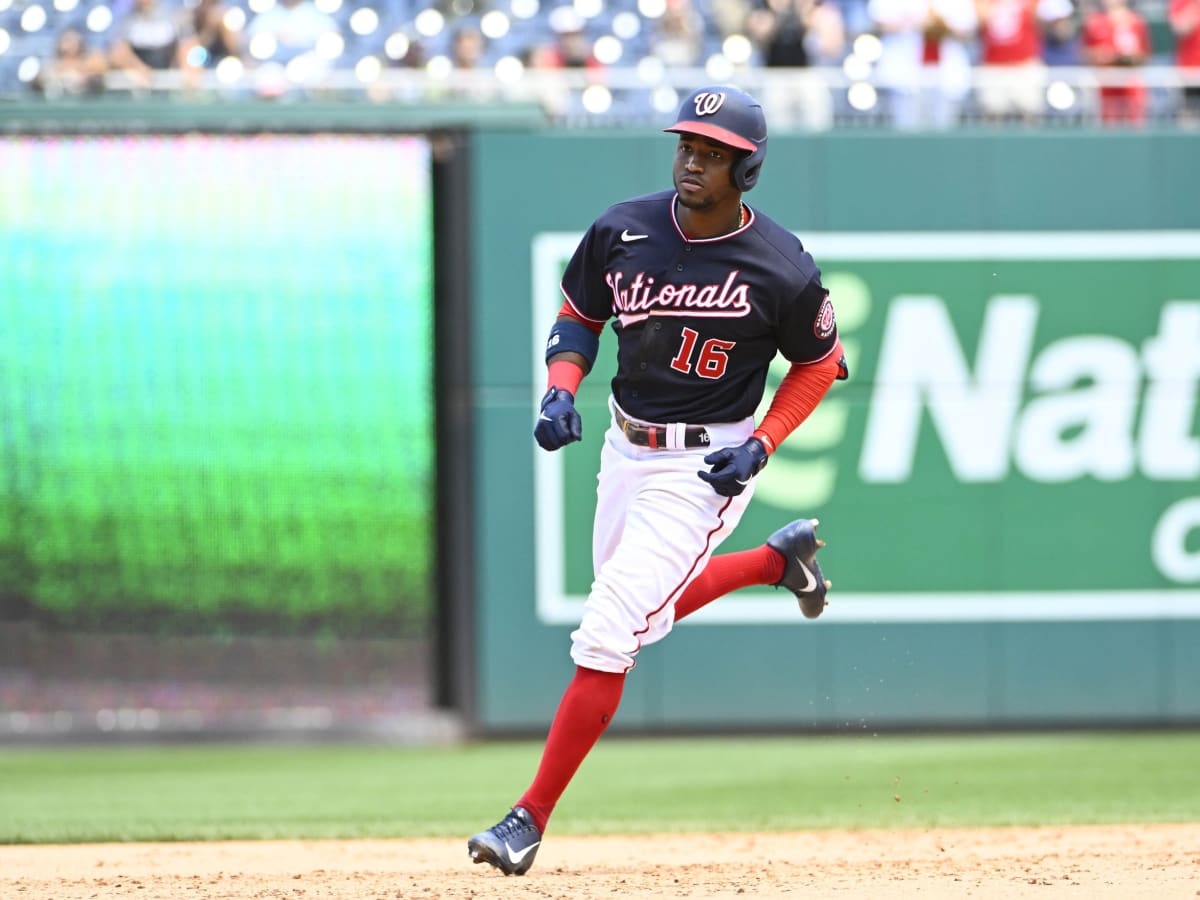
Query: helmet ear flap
[[746, 170]]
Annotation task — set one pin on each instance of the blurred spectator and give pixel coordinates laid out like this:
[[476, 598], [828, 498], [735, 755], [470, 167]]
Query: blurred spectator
[[145, 40], [467, 46], [572, 49], [542, 55], [826, 38], [553, 95], [575, 50], [1116, 36], [1010, 37], [925, 66], [1060, 41], [73, 69], [1184, 17], [400, 51], [410, 54], [798, 34], [678, 38], [207, 39], [467, 49], [295, 26], [726, 17], [567, 47]]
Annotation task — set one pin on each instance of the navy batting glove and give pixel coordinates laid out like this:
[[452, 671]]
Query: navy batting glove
[[733, 467], [559, 423]]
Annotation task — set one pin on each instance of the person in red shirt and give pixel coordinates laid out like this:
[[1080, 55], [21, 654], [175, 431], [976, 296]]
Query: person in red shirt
[[1118, 36], [1184, 17], [1010, 36]]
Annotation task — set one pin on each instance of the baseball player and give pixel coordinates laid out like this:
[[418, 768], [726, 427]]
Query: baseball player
[[703, 291]]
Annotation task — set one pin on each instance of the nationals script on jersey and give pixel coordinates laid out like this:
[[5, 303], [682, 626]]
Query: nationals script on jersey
[[697, 321]]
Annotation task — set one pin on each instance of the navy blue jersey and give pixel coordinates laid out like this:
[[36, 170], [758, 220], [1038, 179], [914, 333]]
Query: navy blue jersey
[[697, 321]]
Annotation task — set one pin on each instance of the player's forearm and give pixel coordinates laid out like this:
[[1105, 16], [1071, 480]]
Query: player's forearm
[[802, 388], [565, 371]]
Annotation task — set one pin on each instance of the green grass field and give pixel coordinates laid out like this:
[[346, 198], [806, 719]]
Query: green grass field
[[66, 795]]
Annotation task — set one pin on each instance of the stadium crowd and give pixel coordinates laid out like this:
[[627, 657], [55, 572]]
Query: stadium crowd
[[923, 63]]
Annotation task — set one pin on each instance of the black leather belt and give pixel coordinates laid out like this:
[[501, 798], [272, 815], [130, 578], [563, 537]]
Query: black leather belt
[[659, 437]]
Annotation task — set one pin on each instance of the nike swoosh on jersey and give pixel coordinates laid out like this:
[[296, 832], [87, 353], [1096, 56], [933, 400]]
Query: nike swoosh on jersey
[[626, 236], [515, 856], [812, 582]]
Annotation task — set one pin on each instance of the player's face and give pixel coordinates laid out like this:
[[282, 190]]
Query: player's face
[[702, 173]]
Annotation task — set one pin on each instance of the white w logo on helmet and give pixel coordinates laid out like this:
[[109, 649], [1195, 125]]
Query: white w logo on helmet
[[708, 102]]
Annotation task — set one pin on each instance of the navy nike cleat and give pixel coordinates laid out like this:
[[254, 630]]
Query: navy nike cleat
[[510, 845], [798, 543]]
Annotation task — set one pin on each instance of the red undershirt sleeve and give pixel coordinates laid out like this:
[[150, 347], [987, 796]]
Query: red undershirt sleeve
[[798, 394], [564, 375]]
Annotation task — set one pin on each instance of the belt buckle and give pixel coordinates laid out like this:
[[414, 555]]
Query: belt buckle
[[630, 429]]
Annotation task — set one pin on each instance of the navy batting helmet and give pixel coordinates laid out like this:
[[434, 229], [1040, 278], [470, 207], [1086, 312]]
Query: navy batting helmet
[[732, 117]]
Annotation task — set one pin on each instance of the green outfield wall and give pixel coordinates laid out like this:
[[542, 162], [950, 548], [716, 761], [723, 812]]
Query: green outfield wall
[[1009, 482], [283, 374]]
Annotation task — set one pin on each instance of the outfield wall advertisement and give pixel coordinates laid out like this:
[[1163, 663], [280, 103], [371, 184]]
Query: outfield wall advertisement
[[1009, 481], [1018, 440]]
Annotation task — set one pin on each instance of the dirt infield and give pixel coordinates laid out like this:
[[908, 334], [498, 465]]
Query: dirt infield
[[1135, 861]]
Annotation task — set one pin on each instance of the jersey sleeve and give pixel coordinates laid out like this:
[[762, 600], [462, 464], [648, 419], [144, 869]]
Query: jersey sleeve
[[583, 283], [807, 327]]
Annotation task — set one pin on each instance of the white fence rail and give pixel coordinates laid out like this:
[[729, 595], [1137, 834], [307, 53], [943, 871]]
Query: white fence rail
[[803, 99]]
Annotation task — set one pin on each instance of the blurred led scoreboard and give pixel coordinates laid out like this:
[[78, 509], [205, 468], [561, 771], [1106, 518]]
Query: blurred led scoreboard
[[215, 377]]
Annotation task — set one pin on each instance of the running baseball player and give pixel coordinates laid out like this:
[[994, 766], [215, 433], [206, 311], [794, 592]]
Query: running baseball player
[[703, 291]]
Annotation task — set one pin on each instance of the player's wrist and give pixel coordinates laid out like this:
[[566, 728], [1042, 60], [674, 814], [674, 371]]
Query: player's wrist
[[564, 375], [757, 451], [765, 439]]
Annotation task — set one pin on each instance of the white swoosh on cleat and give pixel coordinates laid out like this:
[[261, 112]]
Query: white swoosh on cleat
[[517, 857], [812, 582]]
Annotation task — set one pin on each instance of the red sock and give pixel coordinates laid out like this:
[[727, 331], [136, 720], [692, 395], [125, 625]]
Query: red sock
[[727, 573], [587, 706]]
